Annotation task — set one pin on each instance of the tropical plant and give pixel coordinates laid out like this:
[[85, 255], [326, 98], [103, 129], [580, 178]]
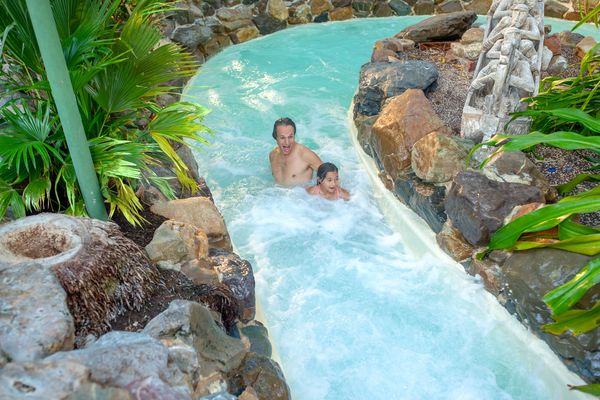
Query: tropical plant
[[118, 67]]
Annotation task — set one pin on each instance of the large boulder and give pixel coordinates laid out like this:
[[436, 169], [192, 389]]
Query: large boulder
[[277, 10], [42, 380], [186, 323], [263, 375], [437, 158], [191, 35], [477, 205], [444, 27], [102, 272], [527, 277], [200, 212], [236, 274], [175, 243], [267, 24], [515, 167], [425, 199], [36, 320], [403, 121], [382, 80]]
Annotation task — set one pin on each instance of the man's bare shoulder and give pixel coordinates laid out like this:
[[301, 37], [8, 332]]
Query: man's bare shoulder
[[274, 153]]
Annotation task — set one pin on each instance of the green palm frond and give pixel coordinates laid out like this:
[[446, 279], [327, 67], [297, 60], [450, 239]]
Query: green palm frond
[[37, 193], [10, 197]]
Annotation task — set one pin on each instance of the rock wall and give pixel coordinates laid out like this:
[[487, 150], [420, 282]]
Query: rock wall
[[206, 27]]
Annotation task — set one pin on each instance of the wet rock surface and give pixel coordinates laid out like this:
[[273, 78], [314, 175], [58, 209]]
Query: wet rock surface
[[440, 27]]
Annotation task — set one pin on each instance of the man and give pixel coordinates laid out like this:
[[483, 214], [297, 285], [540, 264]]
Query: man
[[291, 163]]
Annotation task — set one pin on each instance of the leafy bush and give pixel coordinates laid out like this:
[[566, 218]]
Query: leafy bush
[[118, 67]]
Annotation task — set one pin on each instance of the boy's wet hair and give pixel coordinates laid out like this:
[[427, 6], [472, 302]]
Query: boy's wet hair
[[285, 121], [324, 169]]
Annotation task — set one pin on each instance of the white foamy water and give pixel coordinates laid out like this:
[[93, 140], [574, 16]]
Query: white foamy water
[[359, 301]]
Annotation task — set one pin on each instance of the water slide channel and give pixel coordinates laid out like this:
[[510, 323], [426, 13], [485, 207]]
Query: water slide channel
[[359, 300]]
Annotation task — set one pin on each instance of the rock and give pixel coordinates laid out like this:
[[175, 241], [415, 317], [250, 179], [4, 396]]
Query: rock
[[277, 10], [424, 7], [192, 324], [219, 396], [191, 35], [572, 16], [237, 275], [340, 14], [42, 380], [480, 7], [267, 24], [215, 44], [438, 158], [244, 34], [35, 318], [175, 243], [529, 275], [119, 358], [93, 391], [491, 274], [323, 17], [558, 65], [445, 27], [380, 81], [453, 243], [249, 394], [403, 121], [393, 44], [554, 9], [569, 39], [585, 45], [383, 55], [362, 8], [200, 212], [477, 206], [449, 6], [425, 199], [234, 13], [320, 6], [102, 272], [258, 336], [468, 51], [232, 26], [341, 3], [472, 35], [552, 42], [382, 10], [400, 7], [263, 375], [153, 388], [515, 167], [299, 14], [364, 136]]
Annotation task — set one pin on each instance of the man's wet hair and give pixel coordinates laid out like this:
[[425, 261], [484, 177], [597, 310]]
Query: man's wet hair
[[285, 121], [324, 169]]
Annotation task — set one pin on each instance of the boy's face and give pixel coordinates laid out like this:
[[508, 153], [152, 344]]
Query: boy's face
[[285, 138]]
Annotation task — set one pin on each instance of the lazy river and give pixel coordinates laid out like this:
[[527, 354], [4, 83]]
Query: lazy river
[[359, 300]]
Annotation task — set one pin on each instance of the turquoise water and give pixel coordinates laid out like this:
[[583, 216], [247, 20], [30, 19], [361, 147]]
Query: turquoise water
[[359, 301]]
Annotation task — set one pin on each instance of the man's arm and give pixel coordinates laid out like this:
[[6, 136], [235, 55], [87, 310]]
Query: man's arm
[[311, 158]]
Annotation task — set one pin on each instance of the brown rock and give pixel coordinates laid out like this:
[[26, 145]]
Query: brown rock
[[449, 6], [248, 394], [472, 35], [437, 158], [299, 15], [175, 242], [364, 125], [340, 14], [571, 16], [521, 210], [244, 34], [277, 10], [439, 27], [200, 272], [383, 55], [394, 44], [404, 120], [480, 7], [424, 7], [490, 272], [265, 377], [215, 44], [554, 9], [453, 242], [584, 46], [552, 42], [200, 212], [320, 6], [383, 10]]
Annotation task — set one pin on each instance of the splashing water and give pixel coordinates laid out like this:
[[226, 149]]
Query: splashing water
[[360, 302]]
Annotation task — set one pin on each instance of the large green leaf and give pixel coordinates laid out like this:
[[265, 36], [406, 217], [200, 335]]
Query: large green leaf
[[576, 321], [593, 389], [569, 186], [566, 296], [568, 115], [37, 192], [569, 229], [585, 244]]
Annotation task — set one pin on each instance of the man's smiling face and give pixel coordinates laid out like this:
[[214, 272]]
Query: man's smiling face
[[285, 139]]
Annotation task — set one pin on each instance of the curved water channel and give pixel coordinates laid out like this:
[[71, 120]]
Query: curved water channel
[[359, 301]]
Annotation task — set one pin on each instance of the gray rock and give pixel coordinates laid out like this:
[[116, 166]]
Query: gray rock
[[42, 380], [558, 65], [440, 27], [477, 206], [449, 6], [93, 391], [423, 198], [191, 35], [569, 39], [528, 276], [424, 7], [234, 13], [554, 9], [381, 80], [400, 7], [515, 167], [192, 324], [382, 10], [119, 358], [237, 275], [263, 375], [258, 336], [35, 318], [219, 396], [362, 8], [153, 388], [267, 24]]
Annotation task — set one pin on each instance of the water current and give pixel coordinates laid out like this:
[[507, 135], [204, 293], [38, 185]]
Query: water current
[[359, 301]]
